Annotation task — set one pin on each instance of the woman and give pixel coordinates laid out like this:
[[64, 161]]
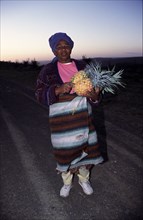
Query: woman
[[73, 135]]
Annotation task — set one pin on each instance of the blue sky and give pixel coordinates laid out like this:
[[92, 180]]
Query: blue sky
[[99, 28]]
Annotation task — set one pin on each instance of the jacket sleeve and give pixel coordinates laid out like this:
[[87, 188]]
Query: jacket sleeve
[[45, 88]]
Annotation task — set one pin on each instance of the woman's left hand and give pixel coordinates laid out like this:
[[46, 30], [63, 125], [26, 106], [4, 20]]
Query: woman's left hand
[[94, 94]]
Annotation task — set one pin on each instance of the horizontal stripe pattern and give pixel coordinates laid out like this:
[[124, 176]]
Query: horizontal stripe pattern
[[66, 122], [73, 133], [79, 103], [70, 139]]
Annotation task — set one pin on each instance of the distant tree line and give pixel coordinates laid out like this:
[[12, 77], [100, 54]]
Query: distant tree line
[[130, 64], [25, 65]]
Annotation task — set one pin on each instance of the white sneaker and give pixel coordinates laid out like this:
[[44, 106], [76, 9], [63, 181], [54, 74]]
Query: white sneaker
[[87, 189], [64, 192]]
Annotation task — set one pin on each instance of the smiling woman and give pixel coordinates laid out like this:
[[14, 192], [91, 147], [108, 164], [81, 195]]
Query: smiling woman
[[63, 51], [73, 135]]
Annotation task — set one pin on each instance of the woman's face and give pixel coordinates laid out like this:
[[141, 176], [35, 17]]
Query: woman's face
[[63, 51]]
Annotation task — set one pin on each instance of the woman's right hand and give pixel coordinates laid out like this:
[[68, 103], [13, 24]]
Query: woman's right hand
[[64, 88]]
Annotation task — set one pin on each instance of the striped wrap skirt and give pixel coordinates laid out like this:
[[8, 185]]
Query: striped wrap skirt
[[73, 134]]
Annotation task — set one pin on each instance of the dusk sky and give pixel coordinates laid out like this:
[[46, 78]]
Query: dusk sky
[[99, 28]]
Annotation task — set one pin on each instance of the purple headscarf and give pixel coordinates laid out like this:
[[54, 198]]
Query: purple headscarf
[[54, 40]]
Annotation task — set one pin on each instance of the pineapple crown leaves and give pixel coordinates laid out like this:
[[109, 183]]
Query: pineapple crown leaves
[[107, 80]]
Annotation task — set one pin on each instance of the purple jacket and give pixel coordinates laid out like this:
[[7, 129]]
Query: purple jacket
[[48, 79]]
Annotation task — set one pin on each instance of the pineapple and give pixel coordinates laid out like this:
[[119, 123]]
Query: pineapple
[[83, 86], [78, 77], [81, 83], [93, 76]]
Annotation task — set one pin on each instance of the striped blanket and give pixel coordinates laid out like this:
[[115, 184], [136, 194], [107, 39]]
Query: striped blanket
[[73, 135]]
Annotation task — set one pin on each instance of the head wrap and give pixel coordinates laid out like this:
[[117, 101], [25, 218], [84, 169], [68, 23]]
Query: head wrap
[[54, 40]]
